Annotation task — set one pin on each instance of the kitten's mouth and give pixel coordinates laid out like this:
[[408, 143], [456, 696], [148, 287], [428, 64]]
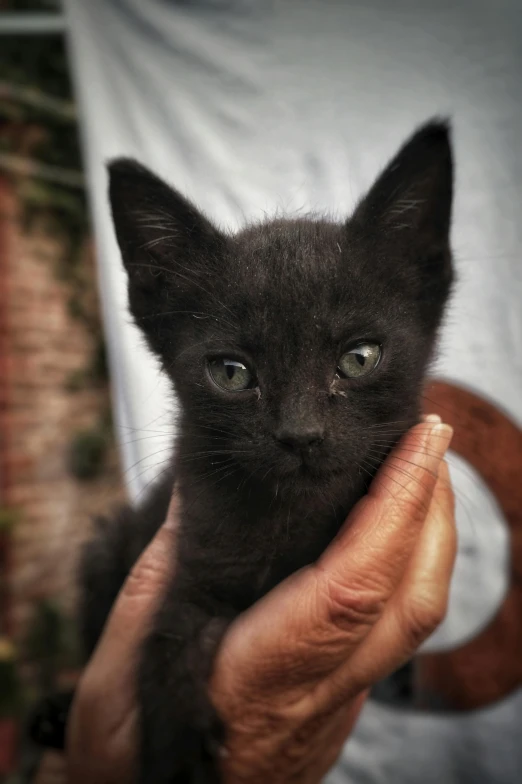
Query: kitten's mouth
[[309, 472]]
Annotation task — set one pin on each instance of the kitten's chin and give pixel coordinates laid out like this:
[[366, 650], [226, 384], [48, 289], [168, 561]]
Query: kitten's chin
[[312, 480]]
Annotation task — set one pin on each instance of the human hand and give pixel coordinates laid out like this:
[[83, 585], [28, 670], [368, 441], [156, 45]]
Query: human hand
[[292, 672]]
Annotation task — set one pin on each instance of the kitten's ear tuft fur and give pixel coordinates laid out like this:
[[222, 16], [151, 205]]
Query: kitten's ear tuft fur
[[167, 245], [411, 201], [152, 219]]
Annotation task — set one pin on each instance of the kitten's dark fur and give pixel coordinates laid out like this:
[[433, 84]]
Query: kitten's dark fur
[[265, 476]]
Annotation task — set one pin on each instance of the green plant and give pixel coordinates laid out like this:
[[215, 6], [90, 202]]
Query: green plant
[[51, 644], [38, 127], [75, 308], [64, 210], [107, 422], [76, 380], [8, 518], [98, 369], [10, 686], [87, 453], [44, 642], [96, 374]]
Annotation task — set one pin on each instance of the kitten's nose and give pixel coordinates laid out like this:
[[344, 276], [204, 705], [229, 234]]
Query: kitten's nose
[[300, 437]]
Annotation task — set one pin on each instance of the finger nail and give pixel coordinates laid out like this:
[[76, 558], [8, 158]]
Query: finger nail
[[440, 437], [435, 418]]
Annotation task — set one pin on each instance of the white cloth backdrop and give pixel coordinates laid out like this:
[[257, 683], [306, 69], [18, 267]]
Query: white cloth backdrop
[[254, 105]]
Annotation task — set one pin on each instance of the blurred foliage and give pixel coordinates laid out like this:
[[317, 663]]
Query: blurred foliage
[[87, 453], [51, 644], [40, 153], [10, 686], [107, 420], [96, 374], [37, 124], [99, 368], [64, 209], [8, 518], [32, 128], [41, 62]]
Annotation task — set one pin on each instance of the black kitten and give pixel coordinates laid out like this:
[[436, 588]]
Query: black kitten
[[298, 350]]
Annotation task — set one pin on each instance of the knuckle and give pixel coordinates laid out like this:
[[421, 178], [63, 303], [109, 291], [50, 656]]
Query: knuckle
[[151, 572], [422, 613], [413, 488], [140, 581], [358, 602], [413, 500]]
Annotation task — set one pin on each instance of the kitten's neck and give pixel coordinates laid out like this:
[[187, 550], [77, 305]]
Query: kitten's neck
[[271, 517]]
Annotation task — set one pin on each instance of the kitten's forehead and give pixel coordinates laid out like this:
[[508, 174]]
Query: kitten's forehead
[[287, 263], [286, 246], [302, 284], [305, 269]]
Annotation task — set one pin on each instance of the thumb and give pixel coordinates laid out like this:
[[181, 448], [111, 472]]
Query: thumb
[[101, 731], [107, 686], [131, 617]]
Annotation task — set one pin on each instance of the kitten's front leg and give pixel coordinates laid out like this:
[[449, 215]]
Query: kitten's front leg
[[181, 731]]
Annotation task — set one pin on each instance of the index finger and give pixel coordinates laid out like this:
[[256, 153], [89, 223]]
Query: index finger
[[380, 532], [312, 622], [360, 570]]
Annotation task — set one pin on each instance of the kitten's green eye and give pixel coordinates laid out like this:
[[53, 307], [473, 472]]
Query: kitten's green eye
[[230, 375], [360, 361]]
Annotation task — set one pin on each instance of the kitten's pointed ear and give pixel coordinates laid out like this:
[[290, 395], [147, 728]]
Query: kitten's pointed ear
[[410, 203], [166, 244]]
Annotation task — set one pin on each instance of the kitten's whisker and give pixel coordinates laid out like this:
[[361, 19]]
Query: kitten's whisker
[[145, 438], [389, 444], [214, 454], [156, 240], [146, 457], [396, 435], [369, 469], [462, 497], [195, 313], [270, 468], [196, 499], [386, 424], [432, 453], [465, 471], [453, 413], [389, 475], [411, 477], [184, 351], [154, 479], [211, 427], [214, 472], [143, 429], [434, 474]]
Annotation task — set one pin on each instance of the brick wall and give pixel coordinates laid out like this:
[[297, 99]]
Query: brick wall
[[43, 345]]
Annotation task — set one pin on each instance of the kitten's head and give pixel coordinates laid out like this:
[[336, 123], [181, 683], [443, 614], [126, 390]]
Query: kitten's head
[[297, 347]]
